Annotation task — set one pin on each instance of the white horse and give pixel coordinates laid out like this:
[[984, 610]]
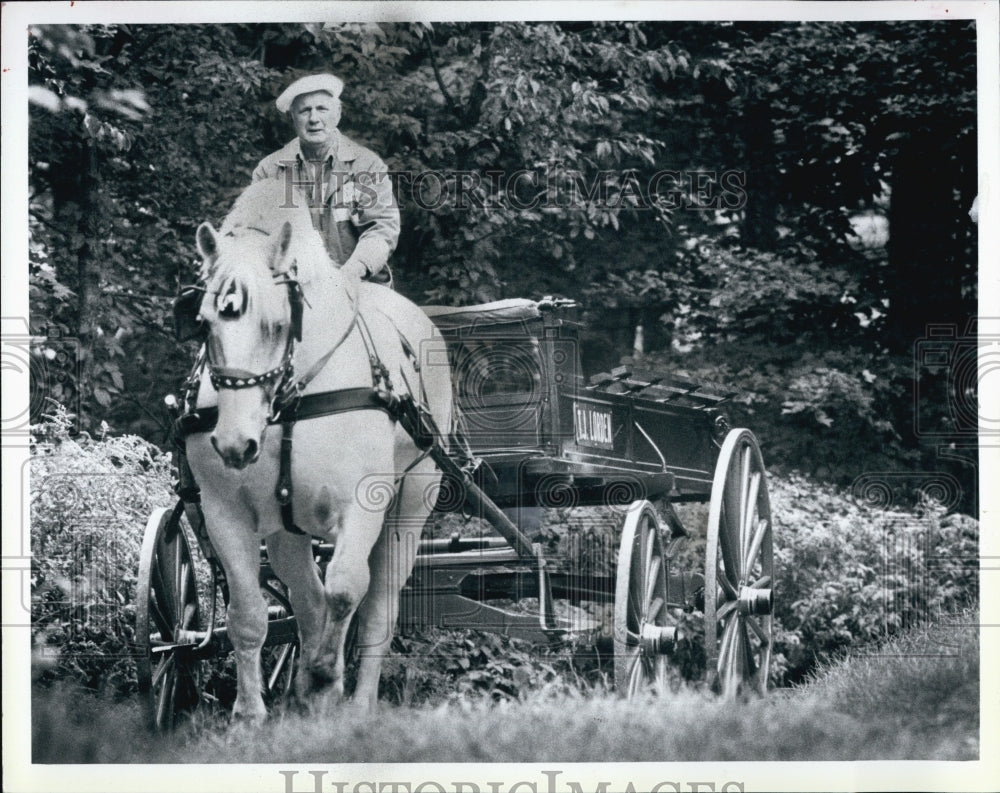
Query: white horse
[[343, 465]]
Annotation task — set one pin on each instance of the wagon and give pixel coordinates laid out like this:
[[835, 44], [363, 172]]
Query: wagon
[[535, 433]]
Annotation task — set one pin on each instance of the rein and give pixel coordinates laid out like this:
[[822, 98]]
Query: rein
[[290, 390]]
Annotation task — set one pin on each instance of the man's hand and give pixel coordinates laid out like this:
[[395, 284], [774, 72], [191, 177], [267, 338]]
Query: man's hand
[[355, 269]]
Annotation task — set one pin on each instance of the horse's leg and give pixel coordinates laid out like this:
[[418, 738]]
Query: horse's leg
[[346, 583], [246, 621], [392, 561], [291, 559]]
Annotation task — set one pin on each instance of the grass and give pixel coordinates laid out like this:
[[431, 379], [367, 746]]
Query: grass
[[924, 683], [913, 697]]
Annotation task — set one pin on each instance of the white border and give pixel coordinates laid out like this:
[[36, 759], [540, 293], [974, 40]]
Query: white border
[[798, 776]]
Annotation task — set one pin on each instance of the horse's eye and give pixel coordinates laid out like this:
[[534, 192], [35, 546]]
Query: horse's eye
[[230, 305]]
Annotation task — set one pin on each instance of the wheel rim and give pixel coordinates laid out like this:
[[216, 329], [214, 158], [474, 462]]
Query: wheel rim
[[645, 625], [739, 571], [167, 603]]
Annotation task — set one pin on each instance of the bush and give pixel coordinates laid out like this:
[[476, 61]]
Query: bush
[[829, 413], [90, 499], [850, 572]]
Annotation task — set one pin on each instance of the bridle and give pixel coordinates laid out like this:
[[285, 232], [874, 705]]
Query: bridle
[[234, 379], [287, 388]]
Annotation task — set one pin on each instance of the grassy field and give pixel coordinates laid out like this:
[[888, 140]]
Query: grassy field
[[914, 697]]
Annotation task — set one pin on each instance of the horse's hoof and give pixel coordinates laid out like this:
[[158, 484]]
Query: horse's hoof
[[329, 700], [250, 718], [316, 680], [295, 704], [357, 708]]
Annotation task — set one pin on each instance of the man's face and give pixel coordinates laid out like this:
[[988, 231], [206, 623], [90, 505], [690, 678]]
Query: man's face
[[315, 116]]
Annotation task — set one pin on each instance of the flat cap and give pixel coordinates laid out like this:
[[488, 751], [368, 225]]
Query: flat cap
[[307, 85]]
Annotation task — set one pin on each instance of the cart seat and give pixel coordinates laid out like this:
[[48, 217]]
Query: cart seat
[[516, 309]]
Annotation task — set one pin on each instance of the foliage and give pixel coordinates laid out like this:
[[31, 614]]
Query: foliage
[[120, 181], [824, 412], [455, 666], [524, 159], [719, 292], [90, 498], [851, 571]]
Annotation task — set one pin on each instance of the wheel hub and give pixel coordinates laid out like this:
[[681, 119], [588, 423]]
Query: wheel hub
[[658, 639], [755, 601]]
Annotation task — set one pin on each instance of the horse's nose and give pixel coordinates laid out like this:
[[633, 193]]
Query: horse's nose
[[235, 457], [250, 452]]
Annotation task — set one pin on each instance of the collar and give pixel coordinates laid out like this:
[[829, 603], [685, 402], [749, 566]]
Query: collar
[[346, 151]]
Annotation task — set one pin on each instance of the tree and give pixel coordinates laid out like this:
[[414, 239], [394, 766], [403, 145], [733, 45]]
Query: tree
[[121, 177], [698, 179]]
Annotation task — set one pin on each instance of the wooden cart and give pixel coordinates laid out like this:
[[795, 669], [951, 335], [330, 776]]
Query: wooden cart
[[535, 434]]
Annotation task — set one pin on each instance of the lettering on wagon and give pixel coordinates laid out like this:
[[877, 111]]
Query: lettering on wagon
[[593, 426]]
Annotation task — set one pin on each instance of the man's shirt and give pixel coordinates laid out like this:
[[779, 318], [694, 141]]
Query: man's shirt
[[350, 200]]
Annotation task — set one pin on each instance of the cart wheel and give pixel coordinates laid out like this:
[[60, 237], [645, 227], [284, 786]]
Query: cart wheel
[[278, 659], [645, 627], [167, 605], [739, 570]]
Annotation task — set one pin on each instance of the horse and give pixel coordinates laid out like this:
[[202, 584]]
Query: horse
[[283, 323]]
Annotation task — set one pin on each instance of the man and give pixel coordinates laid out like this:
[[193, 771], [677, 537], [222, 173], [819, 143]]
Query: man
[[348, 186]]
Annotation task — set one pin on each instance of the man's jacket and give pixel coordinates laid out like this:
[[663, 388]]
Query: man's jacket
[[351, 202]]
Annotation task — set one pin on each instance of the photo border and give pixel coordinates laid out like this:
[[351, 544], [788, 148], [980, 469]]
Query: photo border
[[799, 776]]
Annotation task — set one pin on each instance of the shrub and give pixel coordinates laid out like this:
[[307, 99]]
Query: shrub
[[829, 413], [90, 499], [849, 572]]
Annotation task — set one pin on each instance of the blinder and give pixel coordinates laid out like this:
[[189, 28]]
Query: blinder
[[187, 324]]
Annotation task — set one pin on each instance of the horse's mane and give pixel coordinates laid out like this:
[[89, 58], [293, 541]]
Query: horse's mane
[[263, 208]]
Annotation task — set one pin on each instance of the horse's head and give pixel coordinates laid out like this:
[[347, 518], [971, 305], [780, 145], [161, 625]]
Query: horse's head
[[253, 311]]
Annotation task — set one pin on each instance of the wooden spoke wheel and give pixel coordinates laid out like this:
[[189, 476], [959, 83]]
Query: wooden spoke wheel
[[739, 571], [167, 615], [645, 627], [280, 654]]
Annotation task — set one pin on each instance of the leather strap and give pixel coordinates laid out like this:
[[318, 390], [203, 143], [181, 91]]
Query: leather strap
[[309, 406], [290, 390], [283, 490]]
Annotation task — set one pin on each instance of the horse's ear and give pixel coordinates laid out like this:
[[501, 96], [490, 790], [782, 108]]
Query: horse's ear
[[207, 240], [208, 247], [279, 255]]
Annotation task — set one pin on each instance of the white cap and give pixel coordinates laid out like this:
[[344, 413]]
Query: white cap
[[307, 85]]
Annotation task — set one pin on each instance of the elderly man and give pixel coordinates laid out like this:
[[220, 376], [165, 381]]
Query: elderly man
[[350, 193]]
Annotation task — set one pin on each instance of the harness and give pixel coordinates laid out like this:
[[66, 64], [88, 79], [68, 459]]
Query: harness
[[290, 405]]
